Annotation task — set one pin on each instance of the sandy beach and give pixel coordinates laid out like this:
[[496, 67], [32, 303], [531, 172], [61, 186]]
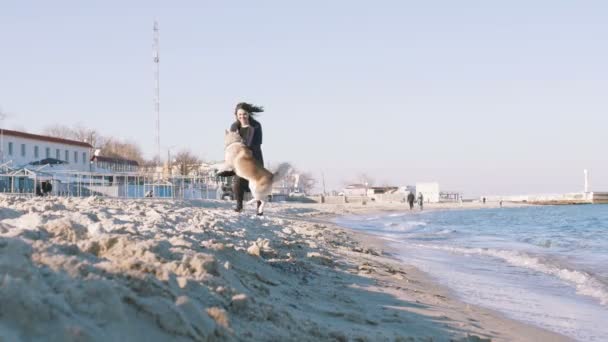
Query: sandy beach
[[99, 269]]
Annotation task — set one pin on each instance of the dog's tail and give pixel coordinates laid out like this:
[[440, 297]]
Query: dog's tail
[[281, 172]]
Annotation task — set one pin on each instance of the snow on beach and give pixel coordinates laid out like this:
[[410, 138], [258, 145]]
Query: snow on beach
[[98, 269]]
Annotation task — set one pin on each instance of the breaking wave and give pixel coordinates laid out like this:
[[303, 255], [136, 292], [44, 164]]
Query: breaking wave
[[584, 282]]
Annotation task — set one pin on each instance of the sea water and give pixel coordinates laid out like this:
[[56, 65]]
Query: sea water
[[545, 265]]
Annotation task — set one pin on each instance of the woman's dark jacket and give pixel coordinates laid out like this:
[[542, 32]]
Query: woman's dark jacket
[[256, 142]]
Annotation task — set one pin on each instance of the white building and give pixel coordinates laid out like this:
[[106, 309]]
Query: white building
[[407, 189], [355, 190], [430, 191], [23, 148]]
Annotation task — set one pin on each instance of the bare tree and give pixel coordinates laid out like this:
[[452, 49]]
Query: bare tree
[[149, 164], [122, 149], [289, 177], [88, 135], [78, 133], [110, 147], [364, 178], [307, 182], [186, 162], [60, 131]]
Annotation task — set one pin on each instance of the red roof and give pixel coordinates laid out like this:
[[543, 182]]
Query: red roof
[[44, 138]]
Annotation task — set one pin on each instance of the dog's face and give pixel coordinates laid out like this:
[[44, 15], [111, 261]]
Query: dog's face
[[231, 137]]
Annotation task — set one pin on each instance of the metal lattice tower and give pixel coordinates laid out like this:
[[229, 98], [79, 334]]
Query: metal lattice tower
[[156, 60]]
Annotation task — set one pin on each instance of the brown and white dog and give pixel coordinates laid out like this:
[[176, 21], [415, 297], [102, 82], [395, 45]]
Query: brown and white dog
[[238, 157]]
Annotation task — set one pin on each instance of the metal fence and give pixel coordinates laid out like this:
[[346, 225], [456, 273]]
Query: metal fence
[[119, 185]]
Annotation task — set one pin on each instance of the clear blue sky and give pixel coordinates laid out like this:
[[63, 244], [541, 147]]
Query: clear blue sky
[[485, 97]]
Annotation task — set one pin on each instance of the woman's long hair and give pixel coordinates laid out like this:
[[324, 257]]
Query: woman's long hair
[[249, 108]]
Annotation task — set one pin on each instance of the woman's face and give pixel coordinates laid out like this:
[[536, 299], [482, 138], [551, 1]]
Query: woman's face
[[242, 116]]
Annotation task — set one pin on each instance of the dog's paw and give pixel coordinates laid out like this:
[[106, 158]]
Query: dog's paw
[[260, 214]]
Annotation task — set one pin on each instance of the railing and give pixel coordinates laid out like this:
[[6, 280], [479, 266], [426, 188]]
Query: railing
[[84, 184]]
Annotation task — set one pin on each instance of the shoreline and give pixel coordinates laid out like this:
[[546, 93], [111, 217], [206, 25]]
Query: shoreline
[[98, 269], [475, 319]]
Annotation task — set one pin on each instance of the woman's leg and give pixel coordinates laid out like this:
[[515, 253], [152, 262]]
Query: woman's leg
[[238, 190]]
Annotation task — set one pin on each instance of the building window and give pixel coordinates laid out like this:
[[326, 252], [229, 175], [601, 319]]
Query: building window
[[10, 148], [23, 150], [84, 157], [57, 154], [35, 151], [75, 157], [48, 152], [67, 156]]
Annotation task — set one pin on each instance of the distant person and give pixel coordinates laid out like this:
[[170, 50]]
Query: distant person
[[421, 201], [149, 194], [47, 188], [410, 199], [484, 200], [500, 203]]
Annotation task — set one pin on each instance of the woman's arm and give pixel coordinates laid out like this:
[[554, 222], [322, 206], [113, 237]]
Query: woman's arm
[[234, 127], [260, 132]]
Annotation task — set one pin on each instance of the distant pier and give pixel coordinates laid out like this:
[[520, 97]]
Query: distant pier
[[599, 197], [595, 197]]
